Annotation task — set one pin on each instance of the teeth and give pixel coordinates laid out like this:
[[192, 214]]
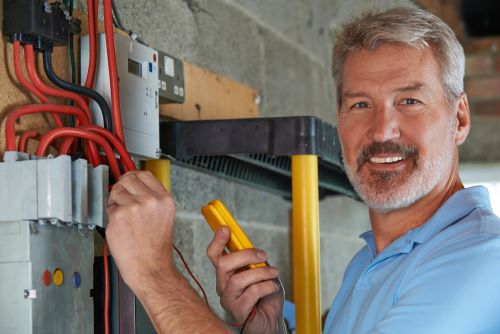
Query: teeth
[[386, 160]]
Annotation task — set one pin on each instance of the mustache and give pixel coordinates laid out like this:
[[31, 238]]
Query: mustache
[[403, 150]]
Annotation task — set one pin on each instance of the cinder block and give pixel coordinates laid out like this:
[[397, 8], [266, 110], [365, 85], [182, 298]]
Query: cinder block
[[336, 252], [296, 84], [283, 16], [193, 189], [343, 216], [258, 205]]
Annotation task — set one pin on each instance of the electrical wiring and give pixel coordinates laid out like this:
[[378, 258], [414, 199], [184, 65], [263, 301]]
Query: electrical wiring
[[128, 163], [66, 144], [29, 56], [232, 324], [28, 85], [113, 71], [191, 274], [91, 9], [72, 132], [41, 86], [20, 76], [72, 48], [49, 71], [119, 24], [23, 139], [249, 318], [106, 286], [12, 117]]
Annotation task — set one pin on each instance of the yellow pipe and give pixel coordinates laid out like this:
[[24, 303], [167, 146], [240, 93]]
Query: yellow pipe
[[305, 244], [160, 169]]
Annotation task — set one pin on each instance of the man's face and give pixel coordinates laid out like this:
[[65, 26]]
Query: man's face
[[396, 127]]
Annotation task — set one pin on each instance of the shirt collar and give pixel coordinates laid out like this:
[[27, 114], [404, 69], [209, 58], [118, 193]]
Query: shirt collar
[[457, 206]]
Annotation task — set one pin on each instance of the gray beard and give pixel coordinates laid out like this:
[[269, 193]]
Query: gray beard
[[384, 192]]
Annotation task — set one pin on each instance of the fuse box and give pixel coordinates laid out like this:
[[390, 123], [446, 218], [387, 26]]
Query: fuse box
[[49, 210]]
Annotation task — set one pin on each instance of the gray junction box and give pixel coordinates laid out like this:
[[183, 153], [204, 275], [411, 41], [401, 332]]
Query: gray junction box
[[48, 210]]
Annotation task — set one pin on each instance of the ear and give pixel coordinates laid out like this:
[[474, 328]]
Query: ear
[[463, 118]]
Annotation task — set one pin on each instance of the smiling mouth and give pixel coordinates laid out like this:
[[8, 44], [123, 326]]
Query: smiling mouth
[[385, 160]]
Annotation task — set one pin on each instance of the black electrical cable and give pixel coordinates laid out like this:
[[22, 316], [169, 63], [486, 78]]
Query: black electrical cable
[[49, 71], [249, 315]]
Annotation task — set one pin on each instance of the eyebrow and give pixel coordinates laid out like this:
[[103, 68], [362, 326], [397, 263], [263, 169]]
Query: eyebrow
[[412, 87]]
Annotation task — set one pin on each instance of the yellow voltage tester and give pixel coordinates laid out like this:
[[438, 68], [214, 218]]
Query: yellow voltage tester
[[217, 215]]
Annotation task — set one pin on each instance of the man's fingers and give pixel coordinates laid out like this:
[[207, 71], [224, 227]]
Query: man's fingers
[[240, 282], [151, 181], [249, 298], [134, 185], [237, 260], [216, 247], [118, 195], [228, 265]]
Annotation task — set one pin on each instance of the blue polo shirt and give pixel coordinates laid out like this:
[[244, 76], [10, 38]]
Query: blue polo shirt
[[442, 277]]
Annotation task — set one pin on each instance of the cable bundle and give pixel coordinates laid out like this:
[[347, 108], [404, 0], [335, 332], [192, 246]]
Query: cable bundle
[[66, 139]]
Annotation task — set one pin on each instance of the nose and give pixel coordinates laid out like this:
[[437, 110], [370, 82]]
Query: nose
[[385, 125]]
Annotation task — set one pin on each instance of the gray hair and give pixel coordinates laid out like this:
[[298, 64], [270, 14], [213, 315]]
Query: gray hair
[[411, 26]]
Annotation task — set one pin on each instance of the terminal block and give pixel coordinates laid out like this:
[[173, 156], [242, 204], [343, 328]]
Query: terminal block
[[39, 22], [49, 208], [54, 190]]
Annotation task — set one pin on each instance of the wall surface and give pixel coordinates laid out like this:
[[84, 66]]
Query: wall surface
[[282, 49]]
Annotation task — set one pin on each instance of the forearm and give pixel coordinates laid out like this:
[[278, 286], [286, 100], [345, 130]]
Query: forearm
[[174, 307]]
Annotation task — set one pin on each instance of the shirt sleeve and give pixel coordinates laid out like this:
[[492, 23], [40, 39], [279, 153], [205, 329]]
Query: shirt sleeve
[[452, 290]]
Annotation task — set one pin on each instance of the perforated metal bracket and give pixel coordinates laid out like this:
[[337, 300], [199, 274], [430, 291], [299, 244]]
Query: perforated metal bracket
[[257, 151]]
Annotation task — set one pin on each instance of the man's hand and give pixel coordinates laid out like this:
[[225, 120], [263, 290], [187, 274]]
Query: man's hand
[[139, 233], [240, 289]]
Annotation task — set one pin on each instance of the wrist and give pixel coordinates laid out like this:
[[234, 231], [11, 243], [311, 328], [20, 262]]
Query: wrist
[[150, 282]]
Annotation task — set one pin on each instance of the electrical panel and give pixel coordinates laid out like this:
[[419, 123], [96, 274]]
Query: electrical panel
[[49, 210], [139, 97]]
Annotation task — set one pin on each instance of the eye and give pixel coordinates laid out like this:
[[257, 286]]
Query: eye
[[359, 105], [409, 101]]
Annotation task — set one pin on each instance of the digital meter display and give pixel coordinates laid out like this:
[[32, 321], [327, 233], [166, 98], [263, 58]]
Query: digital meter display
[[135, 67]]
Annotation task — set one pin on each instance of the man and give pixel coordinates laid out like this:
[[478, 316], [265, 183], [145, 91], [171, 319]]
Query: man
[[432, 260]]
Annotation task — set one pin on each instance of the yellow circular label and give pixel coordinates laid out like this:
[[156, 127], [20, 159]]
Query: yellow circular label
[[58, 277]]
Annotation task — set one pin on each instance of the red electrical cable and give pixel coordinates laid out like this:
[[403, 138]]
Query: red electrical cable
[[93, 153], [41, 86], [113, 71], [106, 287], [232, 324], [191, 274], [128, 163], [72, 132], [10, 122], [23, 139], [89, 81], [28, 85], [20, 75], [66, 144]]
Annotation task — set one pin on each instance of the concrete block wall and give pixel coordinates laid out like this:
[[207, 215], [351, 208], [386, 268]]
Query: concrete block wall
[[282, 49]]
